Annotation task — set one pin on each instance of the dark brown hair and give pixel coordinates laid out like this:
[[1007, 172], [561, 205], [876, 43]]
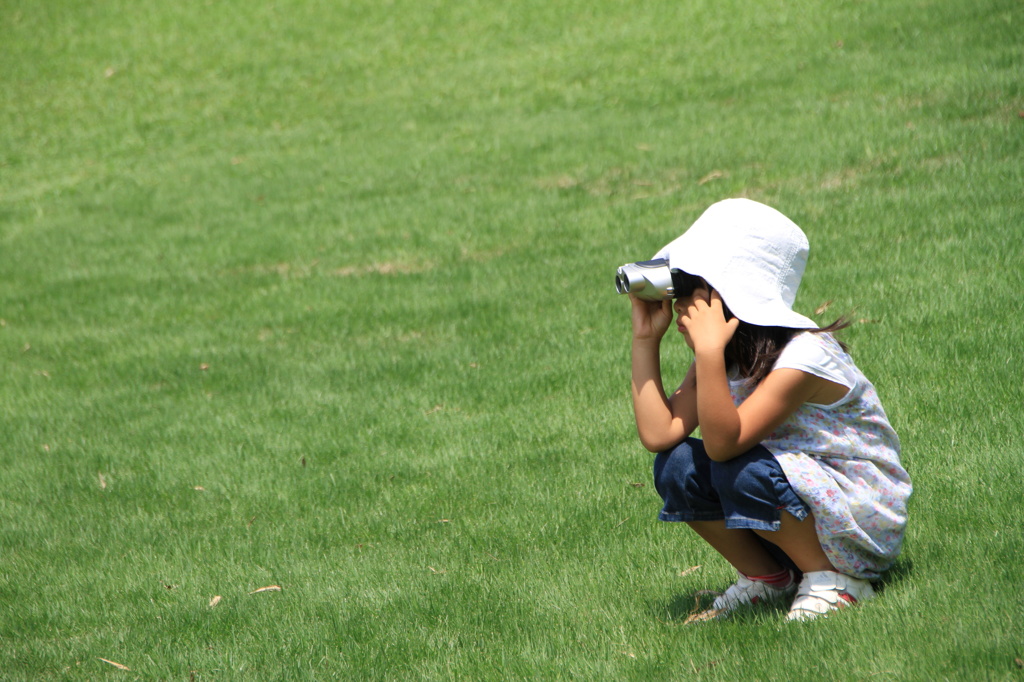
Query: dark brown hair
[[753, 349]]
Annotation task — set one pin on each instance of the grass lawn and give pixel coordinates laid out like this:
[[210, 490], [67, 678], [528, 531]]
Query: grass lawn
[[318, 297]]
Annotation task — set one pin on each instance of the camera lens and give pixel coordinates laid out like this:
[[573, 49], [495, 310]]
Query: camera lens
[[621, 284]]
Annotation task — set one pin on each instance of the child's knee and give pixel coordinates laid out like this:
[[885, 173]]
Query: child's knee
[[745, 479], [683, 469]]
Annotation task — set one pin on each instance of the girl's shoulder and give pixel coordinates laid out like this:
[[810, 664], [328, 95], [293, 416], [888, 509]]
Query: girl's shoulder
[[821, 355]]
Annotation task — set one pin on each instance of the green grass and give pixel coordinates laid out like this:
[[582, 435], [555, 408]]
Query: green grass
[[318, 295]]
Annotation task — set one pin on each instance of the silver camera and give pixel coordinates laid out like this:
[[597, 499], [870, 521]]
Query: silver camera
[[650, 280]]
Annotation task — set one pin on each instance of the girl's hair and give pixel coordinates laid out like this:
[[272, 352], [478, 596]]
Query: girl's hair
[[753, 349]]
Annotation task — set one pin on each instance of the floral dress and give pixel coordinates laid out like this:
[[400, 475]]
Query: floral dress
[[843, 460]]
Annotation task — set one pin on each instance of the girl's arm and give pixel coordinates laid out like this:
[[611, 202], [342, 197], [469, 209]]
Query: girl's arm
[[661, 422], [729, 431]]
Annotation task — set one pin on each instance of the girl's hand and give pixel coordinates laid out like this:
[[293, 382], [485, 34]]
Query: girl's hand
[[705, 324], [651, 319]]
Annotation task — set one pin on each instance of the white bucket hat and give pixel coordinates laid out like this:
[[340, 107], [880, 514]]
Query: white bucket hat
[[752, 255]]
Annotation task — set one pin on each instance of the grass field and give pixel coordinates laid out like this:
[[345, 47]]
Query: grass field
[[319, 296]]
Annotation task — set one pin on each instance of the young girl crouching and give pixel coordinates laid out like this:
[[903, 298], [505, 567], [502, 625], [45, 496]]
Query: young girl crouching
[[798, 471]]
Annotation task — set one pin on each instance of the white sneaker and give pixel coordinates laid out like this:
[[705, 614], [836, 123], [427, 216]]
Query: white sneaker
[[824, 591], [749, 592]]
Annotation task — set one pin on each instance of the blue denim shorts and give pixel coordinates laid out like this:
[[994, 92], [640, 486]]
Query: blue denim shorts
[[748, 491]]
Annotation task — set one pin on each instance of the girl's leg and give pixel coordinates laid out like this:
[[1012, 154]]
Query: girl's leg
[[799, 541], [740, 547], [696, 493], [684, 478]]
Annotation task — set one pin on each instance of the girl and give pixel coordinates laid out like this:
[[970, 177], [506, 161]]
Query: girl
[[798, 470]]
